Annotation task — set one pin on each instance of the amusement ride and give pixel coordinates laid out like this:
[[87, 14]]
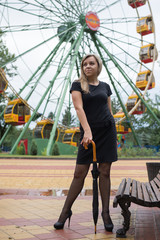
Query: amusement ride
[[50, 38]]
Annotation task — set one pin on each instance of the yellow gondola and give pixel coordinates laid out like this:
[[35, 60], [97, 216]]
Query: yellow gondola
[[122, 129], [132, 101], [145, 25], [118, 116], [142, 80], [3, 81], [147, 53], [16, 112], [44, 128], [119, 127], [136, 3], [72, 136]]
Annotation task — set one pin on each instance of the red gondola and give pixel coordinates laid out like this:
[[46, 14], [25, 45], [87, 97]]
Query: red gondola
[[136, 3]]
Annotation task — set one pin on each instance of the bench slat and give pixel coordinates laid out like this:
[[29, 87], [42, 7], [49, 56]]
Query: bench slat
[[151, 193], [156, 190], [134, 189], [145, 193], [119, 192], [121, 188], [157, 181], [139, 191], [127, 188], [158, 176]]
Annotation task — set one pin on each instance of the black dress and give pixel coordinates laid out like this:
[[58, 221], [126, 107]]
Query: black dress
[[101, 122]]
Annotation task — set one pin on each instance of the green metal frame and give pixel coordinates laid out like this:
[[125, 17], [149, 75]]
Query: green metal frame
[[126, 77], [112, 82], [44, 95], [68, 78]]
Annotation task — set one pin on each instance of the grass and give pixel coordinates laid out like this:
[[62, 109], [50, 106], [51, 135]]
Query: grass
[[7, 155]]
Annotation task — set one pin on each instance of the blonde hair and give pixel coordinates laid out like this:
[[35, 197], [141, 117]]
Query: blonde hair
[[83, 79]]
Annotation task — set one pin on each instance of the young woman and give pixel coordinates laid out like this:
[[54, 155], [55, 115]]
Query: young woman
[[92, 102]]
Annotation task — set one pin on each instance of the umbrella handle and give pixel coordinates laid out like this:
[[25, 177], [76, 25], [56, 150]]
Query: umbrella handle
[[94, 150]]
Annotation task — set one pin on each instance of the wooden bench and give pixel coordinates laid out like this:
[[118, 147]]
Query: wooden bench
[[144, 194]]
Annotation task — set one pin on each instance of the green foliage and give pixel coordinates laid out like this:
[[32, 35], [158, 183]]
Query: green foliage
[[68, 118], [146, 126], [136, 152], [158, 154], [20, 149], [6, 56], [55, 150], [44, 152], [14, 133], [34, 149], [115, 105], [51, 115]]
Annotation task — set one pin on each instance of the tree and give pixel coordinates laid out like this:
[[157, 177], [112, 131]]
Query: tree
[[146, 124], [115, 105], [51, 115], [5, 57], [68, 118], [55, 150], [3, 125], [34, 148]]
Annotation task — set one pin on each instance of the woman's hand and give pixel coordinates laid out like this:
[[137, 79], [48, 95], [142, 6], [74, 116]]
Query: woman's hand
[[87, 138], [78, 104]]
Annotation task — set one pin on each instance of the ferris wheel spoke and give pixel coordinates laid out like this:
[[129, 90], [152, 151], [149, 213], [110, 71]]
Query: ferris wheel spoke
[[118, 83], [29, 11], [108, 21], [43, 97], [125, 35], [47, 101], [58, 99], [111, 76], [59, 12], [108, 6], [76, 7], [115, 89], [128, 80], [43, 7], [51, 55], [120, 41], [70, 9], [47, 62], [24, 28], [29, 50], [127, 53], [52, 135]]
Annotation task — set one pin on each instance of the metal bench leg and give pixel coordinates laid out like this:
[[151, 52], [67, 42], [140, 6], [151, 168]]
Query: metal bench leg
[[121, 233]]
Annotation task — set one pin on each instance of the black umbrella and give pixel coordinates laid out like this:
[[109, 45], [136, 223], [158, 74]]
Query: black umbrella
[[95, 174]]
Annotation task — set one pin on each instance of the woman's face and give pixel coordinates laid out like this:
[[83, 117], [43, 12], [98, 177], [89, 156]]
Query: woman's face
[[90, 67]]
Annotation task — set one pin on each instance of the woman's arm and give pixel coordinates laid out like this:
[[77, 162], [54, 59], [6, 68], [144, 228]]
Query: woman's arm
[[109, 105], [78, 105]]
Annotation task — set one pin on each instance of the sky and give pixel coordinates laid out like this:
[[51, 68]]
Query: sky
[[22, 41]]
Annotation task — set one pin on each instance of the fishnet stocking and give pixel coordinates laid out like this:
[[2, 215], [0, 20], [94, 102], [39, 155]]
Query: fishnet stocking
[[75, 189], [104, 187]]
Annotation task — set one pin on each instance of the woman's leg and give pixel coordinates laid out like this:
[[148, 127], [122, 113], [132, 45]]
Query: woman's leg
[[75, 189], [104, 186]]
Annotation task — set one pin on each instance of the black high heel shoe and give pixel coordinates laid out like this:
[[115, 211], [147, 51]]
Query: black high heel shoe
[[60, 225], [109, 225]]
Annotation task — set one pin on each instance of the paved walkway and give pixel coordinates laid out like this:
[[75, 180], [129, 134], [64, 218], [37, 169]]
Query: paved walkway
[[32, 195]]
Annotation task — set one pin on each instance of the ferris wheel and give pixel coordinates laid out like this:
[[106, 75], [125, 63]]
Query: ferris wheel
[[50, 38]]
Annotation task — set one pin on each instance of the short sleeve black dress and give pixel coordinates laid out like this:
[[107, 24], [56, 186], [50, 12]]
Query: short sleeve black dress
[[101, 122]]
